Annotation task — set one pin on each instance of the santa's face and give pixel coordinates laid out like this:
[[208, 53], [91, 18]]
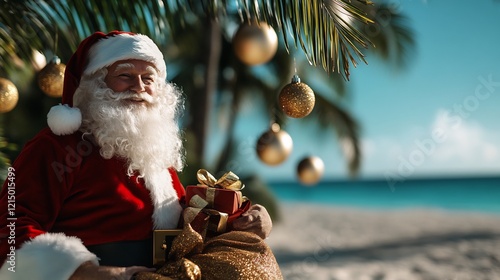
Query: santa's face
[[134, 76], [131, 116]]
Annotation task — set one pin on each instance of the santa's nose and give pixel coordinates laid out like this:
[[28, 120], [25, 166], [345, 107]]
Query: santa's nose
[[137, 85]]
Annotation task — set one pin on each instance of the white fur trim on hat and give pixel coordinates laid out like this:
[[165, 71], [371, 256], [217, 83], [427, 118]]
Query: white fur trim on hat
[[64, 120], [48, 256], [125, 46]]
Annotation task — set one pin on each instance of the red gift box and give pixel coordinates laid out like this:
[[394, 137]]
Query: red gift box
[[210, 222], [227, 201], [213, 205]]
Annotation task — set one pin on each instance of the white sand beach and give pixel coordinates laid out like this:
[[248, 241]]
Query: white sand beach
[[323, 242]]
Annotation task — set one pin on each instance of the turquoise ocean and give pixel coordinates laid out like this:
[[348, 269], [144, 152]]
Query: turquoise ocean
[[453, 194]]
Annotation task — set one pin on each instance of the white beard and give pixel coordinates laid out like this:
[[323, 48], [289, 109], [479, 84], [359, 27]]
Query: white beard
[[144, 133]]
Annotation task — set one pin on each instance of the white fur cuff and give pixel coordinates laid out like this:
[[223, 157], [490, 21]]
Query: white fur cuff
[[48, 256]]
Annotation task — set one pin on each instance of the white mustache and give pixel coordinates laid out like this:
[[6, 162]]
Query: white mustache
[[117, 96]]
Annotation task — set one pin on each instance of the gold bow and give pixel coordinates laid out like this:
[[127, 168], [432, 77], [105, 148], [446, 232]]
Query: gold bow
[[228, 181]]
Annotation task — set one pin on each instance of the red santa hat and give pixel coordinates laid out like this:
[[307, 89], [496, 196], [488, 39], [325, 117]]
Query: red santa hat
[[97, 51]]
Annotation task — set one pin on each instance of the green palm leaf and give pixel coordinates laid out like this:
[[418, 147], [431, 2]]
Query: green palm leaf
[[318, 26]]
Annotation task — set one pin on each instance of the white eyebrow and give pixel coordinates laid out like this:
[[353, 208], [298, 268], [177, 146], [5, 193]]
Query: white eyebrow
[[152, 70], [124, 66]]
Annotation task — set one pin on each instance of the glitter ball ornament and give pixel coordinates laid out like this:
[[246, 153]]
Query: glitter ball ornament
[[8, 95], [51, 78], [255, 43], [310, 170], [296, 99], [274, 146]]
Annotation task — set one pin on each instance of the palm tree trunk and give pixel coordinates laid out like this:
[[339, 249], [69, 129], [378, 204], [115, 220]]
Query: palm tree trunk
[[229, 141], [203, 98]]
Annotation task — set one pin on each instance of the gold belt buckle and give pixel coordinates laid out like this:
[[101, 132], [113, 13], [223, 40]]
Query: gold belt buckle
[[162, 242]]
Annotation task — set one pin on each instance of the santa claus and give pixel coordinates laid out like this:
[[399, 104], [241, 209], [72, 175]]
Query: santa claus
[[90, 189]]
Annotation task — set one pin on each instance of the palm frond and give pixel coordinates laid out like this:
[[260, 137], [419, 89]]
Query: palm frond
[[318, 26], [330, 114], [391, 34], [326, 30]]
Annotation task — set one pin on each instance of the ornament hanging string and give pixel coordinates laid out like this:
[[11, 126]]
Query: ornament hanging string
[[294, 65], [54, 45]]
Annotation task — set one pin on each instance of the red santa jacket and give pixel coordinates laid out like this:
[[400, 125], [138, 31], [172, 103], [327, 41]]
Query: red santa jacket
[[63, 185]]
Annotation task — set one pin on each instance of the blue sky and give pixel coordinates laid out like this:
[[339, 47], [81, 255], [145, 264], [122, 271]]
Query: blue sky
[[437, 117], [448, 98]]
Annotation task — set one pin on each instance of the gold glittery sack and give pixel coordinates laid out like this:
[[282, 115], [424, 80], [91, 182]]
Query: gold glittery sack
[[235, 255]]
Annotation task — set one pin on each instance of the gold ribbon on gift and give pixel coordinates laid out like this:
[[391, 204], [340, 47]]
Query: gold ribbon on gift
[[196, 205], [228, 181]]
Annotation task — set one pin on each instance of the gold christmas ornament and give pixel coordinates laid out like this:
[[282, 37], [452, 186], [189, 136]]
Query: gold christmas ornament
[[296, 99], [51, 78], [310, 170], [274, 146], [255, 43], [8, 95]]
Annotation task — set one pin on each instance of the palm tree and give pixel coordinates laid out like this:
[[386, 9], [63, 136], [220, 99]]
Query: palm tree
[[394, 41], [194, 34]]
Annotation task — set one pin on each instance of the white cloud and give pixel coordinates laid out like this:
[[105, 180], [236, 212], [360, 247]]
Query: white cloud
[[464, 141], [450, 145]]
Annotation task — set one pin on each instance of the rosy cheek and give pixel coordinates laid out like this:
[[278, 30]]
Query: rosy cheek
[[150, 89], [117, 86]]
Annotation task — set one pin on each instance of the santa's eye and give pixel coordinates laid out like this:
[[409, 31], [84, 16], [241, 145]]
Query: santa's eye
[[148, 80]]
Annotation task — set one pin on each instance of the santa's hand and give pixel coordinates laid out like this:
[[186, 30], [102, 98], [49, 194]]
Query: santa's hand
[[256, 220], [89, 270]]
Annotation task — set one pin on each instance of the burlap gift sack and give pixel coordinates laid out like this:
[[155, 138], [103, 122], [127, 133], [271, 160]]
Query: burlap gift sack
[[232, 255]]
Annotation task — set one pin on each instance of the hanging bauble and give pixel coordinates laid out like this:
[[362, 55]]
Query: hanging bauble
[[296, 99], [51, 78], [310, 170], [8, 95], [274, 146], [255, 43]]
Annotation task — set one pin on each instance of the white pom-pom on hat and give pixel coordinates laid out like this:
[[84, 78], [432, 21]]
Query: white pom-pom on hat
[[64, 120]]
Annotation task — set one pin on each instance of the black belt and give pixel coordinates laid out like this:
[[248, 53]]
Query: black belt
[[124, 253]]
